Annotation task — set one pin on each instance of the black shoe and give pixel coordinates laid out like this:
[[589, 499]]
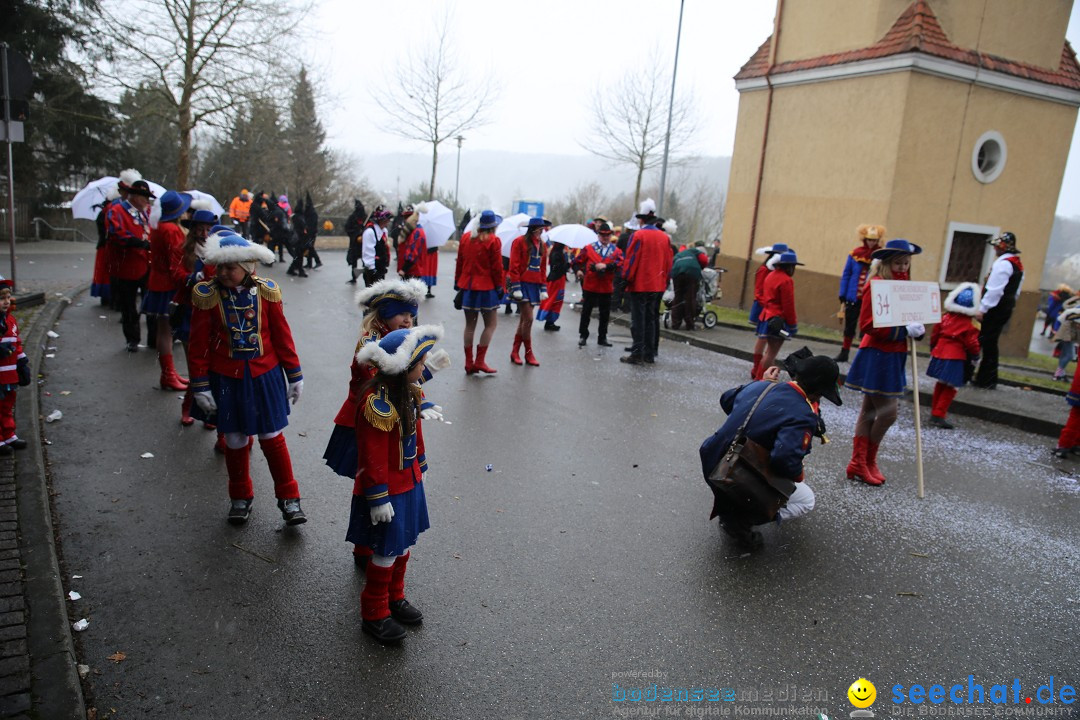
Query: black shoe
[[509, 310], [387, 631], [318, 265], [552, 327], [941, 423], [842, 357], [648, 360], [290, 271], [291, 512], [746, 539], [628, 348], [6, 450], [430, 294], [581, 342], [301, 272], [239, 512], [1057, 452], [351, 282], [17, 444], [133, 347], [631, 360], [405, 613], [604, 343]]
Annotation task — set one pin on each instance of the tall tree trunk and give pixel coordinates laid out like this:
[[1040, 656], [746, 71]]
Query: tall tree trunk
[[637, 187], [434, 165], [183, 159]]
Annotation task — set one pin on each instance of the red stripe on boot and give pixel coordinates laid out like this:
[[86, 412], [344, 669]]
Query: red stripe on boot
[[375, 598], [280, 464]]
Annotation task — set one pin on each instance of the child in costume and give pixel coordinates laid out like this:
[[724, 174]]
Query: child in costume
[[778, 318], [242, 354], [388, 305], [954, 347], [528, 284], [14, 370], [480, 279], [188, 268], [389, 510], [1066, 334], [878, 367], [772, 254], [856, 270], [1069, 439], [550, 309], [166, 241]]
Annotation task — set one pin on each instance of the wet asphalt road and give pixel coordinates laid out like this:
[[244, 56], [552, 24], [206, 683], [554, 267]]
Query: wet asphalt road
[[583, 557]]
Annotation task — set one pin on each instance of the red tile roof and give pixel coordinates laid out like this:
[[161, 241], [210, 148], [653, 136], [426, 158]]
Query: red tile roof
[[918, 30]]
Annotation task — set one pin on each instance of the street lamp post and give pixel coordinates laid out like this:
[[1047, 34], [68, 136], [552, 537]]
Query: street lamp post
[[457, 180], [671, 106]]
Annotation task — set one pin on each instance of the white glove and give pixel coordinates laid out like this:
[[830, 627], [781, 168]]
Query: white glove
[[915, 330], [199, 277], [543, 295], [432, 413], [295, 390], [517, 295], [382, 513], [437, 360], [205, 401]]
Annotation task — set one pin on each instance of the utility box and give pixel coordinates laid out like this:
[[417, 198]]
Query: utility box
[[532, 208]]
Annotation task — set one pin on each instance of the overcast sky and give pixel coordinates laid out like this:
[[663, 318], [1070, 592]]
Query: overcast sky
[[550, 55]]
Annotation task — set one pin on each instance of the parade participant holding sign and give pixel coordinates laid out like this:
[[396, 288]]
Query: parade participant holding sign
[[998, 301], [781, 419], [778, 319], [852, 280], [528, 284], [878, 367], [389, 510], [954, 346], [242, 354]]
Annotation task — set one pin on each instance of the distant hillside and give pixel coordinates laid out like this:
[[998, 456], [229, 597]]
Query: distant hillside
[[498, 178], [1062, 254]]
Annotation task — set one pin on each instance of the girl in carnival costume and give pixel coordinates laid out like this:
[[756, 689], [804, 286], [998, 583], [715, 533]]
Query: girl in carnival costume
[[954, 348]]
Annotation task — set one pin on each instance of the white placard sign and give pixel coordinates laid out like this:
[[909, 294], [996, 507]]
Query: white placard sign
[[899, 302]]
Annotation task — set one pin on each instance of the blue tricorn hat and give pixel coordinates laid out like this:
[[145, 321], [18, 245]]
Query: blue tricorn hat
[[173, 205], [773, 249], [788, 258], [896, 247], [401, 349], [536, 222], [229, 247], [392, 297], [206, 217], [489, 220]]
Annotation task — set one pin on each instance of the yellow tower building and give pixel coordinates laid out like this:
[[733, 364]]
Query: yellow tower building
[[947, 121]]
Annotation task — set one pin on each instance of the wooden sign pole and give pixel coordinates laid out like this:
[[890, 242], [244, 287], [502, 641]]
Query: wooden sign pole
[[918, 418]]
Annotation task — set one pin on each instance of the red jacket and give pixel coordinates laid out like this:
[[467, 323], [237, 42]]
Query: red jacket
[[759, 283], [598, 282], [954, 338], [126, 232], [411, 254], [389, 463], [232, 330], [886, 339], [166, 248], [779, 297], [9, 365], [528, 261], [479, 264], [358, 375], [647, 261]]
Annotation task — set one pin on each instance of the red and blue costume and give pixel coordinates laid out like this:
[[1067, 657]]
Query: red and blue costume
[[528, 267], [412, 257], [878, 365], [778, 300], [479, 272], [14, 371], [166, 251]]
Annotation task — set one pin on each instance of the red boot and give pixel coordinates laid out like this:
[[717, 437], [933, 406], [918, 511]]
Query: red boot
[[238, 463], [481, 365], [529, 357], [857, 469], [219, 446], [469, 367], [514, 356], [169, 379], [871, 464], [754, 367], [280, 464], [185, 409]]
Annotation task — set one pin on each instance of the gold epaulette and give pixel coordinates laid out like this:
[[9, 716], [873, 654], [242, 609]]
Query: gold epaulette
[[380, 412], [268, 289], [205, 296]]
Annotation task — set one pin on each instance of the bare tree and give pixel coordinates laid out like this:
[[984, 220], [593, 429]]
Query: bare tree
[[630, 120], [583, 203], [205, 57], [430, 98]]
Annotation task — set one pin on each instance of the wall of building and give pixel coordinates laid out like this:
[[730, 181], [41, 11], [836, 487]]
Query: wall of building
[[811, 28], [1031, 31]]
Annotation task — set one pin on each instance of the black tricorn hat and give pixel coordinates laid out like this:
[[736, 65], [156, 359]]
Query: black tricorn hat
[[815, 374]]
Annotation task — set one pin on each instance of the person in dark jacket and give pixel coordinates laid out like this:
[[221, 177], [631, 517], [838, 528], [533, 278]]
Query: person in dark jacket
[[999, 295], [311, 220], [280, 230], [297, 242], [558, 266], [784, 423], [856, 270], [686, 279], [354, 228]]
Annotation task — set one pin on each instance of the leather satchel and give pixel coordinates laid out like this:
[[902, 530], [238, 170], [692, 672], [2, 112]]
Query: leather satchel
[[745, 480]]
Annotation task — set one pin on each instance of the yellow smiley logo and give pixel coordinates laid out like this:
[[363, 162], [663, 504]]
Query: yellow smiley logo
[[862, 693]]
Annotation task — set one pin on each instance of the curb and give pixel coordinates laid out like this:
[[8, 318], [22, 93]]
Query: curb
[[958, 407], [56, 691]]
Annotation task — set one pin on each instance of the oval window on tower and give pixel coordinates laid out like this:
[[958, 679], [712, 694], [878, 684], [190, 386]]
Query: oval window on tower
[[988, 157]]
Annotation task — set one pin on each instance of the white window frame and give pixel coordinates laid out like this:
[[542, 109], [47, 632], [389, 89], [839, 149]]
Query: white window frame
[[987, 178], [988, 254]]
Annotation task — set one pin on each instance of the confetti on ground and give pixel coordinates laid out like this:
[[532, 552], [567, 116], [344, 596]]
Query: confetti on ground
[[80, 625], [147, 455], [74, 595]]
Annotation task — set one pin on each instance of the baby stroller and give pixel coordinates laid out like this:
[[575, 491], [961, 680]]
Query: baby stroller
[[708, 290]]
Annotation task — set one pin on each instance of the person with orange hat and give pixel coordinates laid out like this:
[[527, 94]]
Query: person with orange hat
[[240, 212], [856, 269]]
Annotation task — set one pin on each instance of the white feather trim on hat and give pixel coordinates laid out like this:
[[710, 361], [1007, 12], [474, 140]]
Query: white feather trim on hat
[[632, 224], [421, 208], [129, 176], [773, 259], [763, 250], [201, 204], [952, 306], [474, 223], [215, 254], [1070, 315], [412, 289], [670, 226], [399, 362], [114, 192], [648, 207]]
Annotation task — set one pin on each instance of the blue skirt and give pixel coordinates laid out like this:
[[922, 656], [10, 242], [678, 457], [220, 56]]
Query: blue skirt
[[876, 372], [251, 406], [341, 454], [181, 330], [531, 291], [398, 535], [480, 300], [157, 302], [100, 290], [950, 372], [755, 313], [429, 280]]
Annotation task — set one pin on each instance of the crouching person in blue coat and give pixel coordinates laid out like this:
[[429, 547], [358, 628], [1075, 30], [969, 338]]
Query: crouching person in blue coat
[[783, 419]]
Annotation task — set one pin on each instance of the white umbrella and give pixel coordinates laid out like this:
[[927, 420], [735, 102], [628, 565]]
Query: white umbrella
[[88, 201], [438, 223], [205, 197], [509, 229], [155, 210], [572, 236]]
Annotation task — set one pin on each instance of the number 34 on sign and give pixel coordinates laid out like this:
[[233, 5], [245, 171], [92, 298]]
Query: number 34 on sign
[[899, 302]]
